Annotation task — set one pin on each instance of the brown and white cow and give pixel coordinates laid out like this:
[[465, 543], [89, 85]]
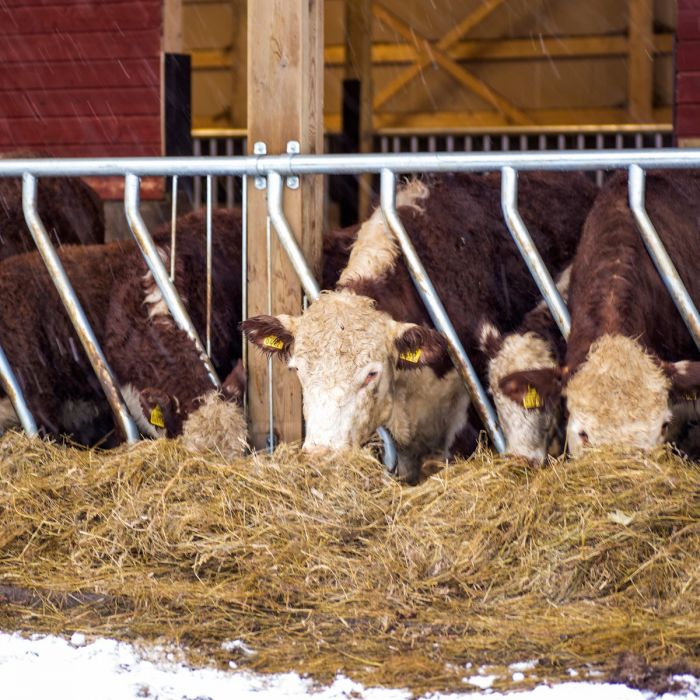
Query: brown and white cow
[[531, 425], [367, 355], [630, 357], [61, 389]]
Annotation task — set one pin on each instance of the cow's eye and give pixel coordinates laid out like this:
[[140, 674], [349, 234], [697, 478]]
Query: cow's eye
[[370, 377], [584, 436]]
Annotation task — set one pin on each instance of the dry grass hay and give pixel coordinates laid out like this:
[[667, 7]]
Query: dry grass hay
[[327, 564]]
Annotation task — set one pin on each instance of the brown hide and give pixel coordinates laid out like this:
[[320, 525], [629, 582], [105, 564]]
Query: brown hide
[[473, 262], [71, 211], [615, 287], [154, 352]]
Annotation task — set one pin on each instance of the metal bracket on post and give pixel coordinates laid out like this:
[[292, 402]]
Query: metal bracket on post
[[9, 383], [657, 252], [529, 252], [74, 309], [286, 237], [437, 311], [293, 148], [260, 149], [160, 274]]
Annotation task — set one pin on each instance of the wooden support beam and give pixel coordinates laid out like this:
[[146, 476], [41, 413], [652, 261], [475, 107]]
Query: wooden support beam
[[544, 48], [172, 26], [285, 93], [424, 58], [640, 83], [467, 79], [358, 88]]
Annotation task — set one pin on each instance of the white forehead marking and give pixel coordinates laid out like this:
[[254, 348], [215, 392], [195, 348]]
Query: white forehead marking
[[376, 249], [619, 394]]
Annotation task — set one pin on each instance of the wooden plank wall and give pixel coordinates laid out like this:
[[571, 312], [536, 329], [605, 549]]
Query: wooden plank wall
[[81, 78], [687, 109]]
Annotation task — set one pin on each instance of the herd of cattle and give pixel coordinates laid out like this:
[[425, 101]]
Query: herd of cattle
[[366, 353]]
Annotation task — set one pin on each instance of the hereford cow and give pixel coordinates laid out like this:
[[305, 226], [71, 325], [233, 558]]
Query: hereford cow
[[163, 379], [52, 368], [366, 354], [532, 428], [630, 357], [71, 211]]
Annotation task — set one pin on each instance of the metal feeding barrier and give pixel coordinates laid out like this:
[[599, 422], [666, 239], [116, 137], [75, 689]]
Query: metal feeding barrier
[[270, 171]]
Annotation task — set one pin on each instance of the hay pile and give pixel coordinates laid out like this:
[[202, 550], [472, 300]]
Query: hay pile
[[328, 564]]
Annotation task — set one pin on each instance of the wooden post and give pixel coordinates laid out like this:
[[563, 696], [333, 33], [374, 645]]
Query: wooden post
[[641, 60], [172, 26], [285, 103], [358, 67]]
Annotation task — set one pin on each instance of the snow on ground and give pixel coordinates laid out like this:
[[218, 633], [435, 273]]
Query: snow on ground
[[54, 668]]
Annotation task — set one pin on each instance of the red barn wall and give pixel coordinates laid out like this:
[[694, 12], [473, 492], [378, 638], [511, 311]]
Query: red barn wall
[[687, 108], [81, 77]]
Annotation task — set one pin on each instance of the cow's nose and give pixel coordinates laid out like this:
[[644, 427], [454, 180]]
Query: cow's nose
[[316, 450]]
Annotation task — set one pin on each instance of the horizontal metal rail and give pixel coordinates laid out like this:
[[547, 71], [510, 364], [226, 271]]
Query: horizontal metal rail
[[303, 164], [75, 310], [657, 251], [12, 388]]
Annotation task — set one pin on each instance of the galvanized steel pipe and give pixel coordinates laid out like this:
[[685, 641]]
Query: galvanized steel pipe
[[437, 311], [160, 274], [74, 309], [528, 251], [9, 383], [657, 251]]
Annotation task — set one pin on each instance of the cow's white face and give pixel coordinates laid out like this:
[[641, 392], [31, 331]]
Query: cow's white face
[[346, 354], [619, 397]]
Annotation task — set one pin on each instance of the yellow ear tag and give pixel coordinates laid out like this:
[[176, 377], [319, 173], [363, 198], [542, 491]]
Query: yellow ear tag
[[532, 399], [411, 355], [272, 341], [157, 417], [693, 396]]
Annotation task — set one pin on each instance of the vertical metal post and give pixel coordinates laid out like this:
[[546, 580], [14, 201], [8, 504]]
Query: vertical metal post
[[437, 311], [529, 252], [244, 281], [160, 274], [9, 383], [664, 264], [173, 231], [74, 309], [209, 262]]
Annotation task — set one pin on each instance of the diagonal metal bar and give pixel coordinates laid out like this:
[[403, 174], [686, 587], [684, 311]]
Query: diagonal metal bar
[[285, 235], [149, 251], [467, 79], [8, 381], [74, 309], [437, 312], [528, 250], [657, 251]]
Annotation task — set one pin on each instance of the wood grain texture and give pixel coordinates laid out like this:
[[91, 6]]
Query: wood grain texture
[[285, 90]]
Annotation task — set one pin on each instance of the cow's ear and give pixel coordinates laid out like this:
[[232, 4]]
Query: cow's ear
[[685, 379], [533, 388], [274, 335], [490, 339], [233, 388], [161, 410], [419, 346]]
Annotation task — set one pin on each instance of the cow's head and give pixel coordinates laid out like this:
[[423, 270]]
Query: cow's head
[[346, 354], [620, 395], [525, 384]]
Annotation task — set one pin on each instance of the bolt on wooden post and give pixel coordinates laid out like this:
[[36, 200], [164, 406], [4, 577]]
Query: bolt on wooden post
[[285, 103]]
